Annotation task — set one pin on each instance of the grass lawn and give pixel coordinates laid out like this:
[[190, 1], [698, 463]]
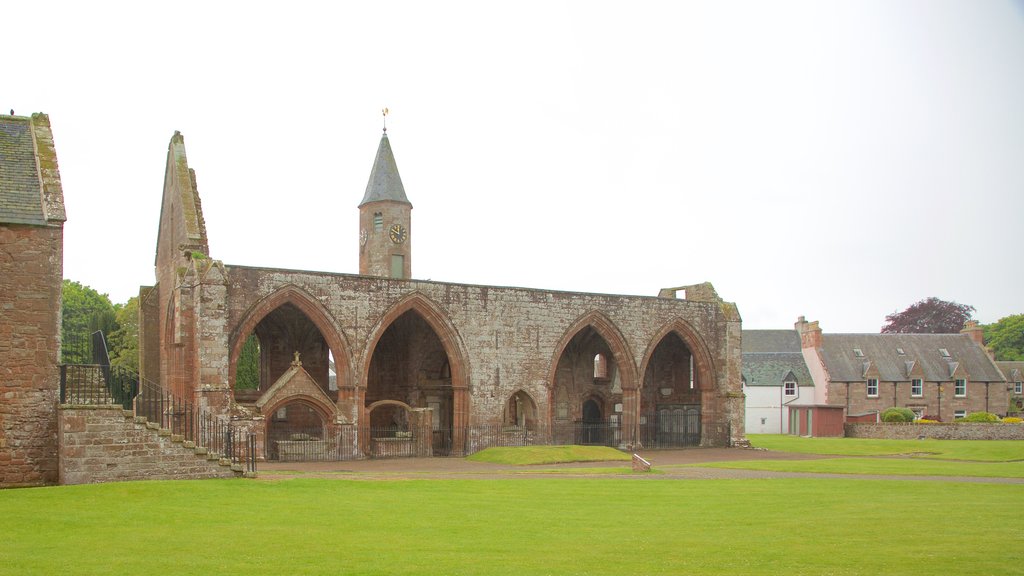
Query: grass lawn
[[524, 455], [976, 450], [545, 526], [884, 466]]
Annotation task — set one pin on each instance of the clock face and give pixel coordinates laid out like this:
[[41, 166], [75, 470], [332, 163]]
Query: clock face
[[398, 233], [362, 237]]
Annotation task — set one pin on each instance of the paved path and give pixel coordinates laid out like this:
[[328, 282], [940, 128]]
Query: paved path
[[672, 465]]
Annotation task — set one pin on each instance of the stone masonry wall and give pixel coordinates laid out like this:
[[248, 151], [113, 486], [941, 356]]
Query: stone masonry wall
[[951, 431], [508, 337], [107, 444], [31, 267]]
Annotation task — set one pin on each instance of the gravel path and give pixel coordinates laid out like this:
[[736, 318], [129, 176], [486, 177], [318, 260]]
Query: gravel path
[[672, 465]]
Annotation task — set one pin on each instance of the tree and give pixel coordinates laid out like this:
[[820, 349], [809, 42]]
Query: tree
[[929, 316], [247, 371], [124, 339], [1006, 337], [83, 311]]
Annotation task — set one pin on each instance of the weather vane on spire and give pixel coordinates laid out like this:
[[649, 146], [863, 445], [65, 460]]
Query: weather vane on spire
[[384, 112]]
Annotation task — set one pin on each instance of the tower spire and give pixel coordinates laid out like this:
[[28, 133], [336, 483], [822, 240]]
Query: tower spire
[[384, 112]]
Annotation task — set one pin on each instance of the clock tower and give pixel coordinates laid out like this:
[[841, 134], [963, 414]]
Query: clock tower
[[385, 220]]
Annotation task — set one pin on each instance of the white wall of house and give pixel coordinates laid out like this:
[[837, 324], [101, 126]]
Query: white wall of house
[[767, 407]]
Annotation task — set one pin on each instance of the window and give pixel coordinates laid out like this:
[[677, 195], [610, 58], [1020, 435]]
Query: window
[[917, 388], [1018, 387], [790, 388], [900, 351], [858, 353], [397, 266], [959, 413], [943, 352], [960, 388], [872, 387], [378, 222], [600, 367]]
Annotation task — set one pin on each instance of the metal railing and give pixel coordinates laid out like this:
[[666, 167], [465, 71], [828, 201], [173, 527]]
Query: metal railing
[[100, 383]]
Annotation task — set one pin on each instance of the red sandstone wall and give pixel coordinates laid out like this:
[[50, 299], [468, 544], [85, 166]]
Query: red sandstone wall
[[31, 267], [100, 444]]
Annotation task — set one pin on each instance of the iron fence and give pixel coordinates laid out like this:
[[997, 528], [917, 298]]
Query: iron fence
[[334, 442], [100, 383]]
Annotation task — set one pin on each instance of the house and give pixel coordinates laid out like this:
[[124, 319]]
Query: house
[[937, 376], [31, 264], [775, 378], [1013, 371]]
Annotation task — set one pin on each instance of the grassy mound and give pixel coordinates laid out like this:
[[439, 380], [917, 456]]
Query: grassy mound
[[523, 455]]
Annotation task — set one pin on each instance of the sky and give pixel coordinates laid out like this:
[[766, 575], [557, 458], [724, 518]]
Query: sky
[[836, 160]]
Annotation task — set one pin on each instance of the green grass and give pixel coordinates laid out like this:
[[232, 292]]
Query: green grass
[[521, 527], [883, 466], [976, 450], [524, 455]]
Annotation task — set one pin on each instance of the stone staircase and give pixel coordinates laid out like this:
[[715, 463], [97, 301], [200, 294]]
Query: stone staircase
[[105, 443]]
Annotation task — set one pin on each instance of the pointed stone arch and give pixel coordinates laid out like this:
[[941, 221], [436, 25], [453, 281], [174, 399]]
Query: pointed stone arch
[[624, 363], [704, 363], [607, 329], [308, 305], [438, 321], [688, 417]]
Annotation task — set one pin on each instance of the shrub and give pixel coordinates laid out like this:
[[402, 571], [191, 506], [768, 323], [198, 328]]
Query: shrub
[[926, 421], [1013, 420], [980, 417], [897, 415]]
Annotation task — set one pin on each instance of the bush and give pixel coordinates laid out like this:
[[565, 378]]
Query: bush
[[897, 415], [1013, 420], [980, 417], [925, 421]]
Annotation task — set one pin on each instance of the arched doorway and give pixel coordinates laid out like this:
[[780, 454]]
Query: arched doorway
[[592, 429], [671, 398], [587, 391], [410, 365]]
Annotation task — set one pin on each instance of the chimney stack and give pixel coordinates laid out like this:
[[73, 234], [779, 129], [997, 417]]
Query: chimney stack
[[810, 333]]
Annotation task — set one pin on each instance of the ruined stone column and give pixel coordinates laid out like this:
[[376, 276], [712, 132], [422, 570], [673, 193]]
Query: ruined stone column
[[460, 420], [630, 418]]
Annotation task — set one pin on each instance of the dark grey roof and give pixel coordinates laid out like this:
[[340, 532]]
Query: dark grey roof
[[771, 341], [385, 182], [774, 368], [923, 350], [1013, 370], [21, 200], [769, 356]]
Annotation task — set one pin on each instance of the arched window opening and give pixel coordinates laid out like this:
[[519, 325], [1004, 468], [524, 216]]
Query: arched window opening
[[600, 367]]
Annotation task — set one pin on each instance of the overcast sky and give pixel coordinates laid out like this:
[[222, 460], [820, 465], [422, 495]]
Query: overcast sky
[[839, 160]]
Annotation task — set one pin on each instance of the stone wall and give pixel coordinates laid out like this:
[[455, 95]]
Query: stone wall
[[107, 444], [950, 431], [31, 267]]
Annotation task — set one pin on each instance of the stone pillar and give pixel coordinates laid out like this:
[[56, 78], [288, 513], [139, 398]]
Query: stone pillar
[[460, 420], [630, 418], [421, 423]]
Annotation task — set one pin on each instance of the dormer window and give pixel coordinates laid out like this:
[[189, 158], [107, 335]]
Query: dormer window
[[790, 388]]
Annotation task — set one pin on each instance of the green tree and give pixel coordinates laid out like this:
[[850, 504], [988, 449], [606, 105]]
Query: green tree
[[247, 371], [124, 340], [929, 316], [83, 311], [1006, 337]]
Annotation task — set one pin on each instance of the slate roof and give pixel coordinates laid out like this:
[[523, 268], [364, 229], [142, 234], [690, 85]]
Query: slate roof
[[1013, 370], [881, 350], [385, 182], [21, 199], [771, 357]]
